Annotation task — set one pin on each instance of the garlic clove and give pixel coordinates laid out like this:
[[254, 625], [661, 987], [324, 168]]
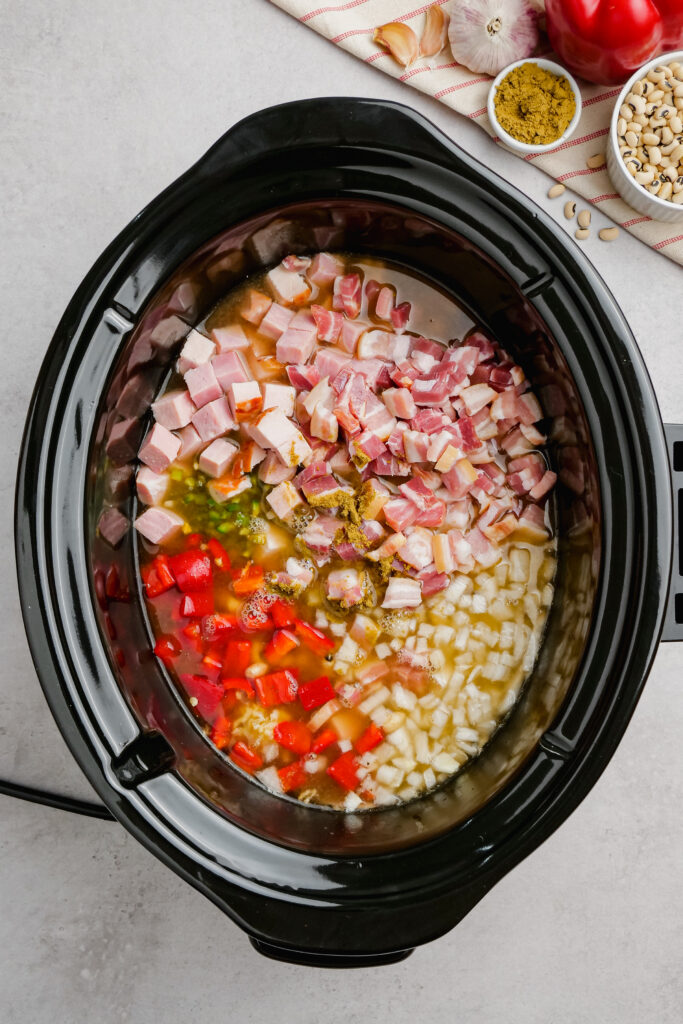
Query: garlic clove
[[487, 35], [400, 41], [435, 32]]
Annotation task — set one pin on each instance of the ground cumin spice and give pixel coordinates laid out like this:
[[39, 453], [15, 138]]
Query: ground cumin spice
[[534, 105]]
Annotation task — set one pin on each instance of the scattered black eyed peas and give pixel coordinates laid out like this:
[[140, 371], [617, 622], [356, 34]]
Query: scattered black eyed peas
[[650, 132]]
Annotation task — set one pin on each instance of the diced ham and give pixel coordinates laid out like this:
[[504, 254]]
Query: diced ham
[[197, 350], [400, 402], [213, 419], [400, 315], [272, 471], [230, 368], [324, 268], [190, 442], [159, 448], [248, 457], [158, 525], [346, 586], [416, 445], [351, 332], [245, 398], [476, 397], [279, 396], [230, 339], [112, 526], [460, 479], [294, 451], [347, 295], [289, 286], [294, 262], [276, 321], [284, 500], [545, 484], [303, 377], [402, 593], [272, 428], [216, 458], [328, 324], [174, 410], [324, 424], [151, 486], [255, 307], [400, 513], [323, 486], [417, 550], [320, 533], [366, 447], [295, 346], [328, 362], [432, 582], [389, 465], [203, 384], [228, 488]]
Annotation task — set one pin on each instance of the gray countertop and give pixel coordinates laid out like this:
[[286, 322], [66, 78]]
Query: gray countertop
[[103, 104]]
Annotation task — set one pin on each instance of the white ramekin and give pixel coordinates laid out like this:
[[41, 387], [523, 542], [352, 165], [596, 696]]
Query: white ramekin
[[525, 147], [629, 189]]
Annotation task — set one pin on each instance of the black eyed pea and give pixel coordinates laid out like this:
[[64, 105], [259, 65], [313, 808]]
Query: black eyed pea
[[608, 234], [633, 166], [650, 139], [678, 184], [677, 198], [584, 219], [638, 89], [634, 126], [668, 150], [664, 162], [569, 209], [671, 172], [645, 177], [656, 96], [582, 234], [676, 154], [666, 190], [640, 119], [631, 138], [675, 124], [663, 112], [636, 103], [621, 126], [654, 187], [666, 135], [653, 154], [678, 91], [626, 112]]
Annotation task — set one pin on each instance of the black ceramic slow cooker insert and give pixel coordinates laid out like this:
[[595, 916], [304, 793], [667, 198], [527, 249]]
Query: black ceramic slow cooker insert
[[313, 885]]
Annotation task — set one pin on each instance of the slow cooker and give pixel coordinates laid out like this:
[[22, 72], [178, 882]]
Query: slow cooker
[[311, 885]]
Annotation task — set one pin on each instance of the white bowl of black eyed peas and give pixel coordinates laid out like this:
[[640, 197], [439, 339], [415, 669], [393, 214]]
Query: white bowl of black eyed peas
[[645, 145]]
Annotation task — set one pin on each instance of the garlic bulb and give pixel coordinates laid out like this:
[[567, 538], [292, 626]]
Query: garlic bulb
[[486, 35]]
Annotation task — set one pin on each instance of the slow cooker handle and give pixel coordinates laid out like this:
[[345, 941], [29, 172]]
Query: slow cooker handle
[[673, 625], [303, 958], [330, 121]]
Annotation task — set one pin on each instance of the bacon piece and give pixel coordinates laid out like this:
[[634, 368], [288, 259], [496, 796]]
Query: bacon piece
[[366, 447], [417, 550], [402, 593], [303, 377], [295, 346], [324, 268], [318, 486], [476, 397], [416, 445], [479, 341], [272, 471], [347, 294], [255, 307], [344, 585], [289, 286], [284, 500], [400, 513], [545, 484], [401, 403], [328, 324], [432, 582], [460, 479], [464, 357], [442, 554], [400, 315], [432, 516], [428, 420], [395, 441], [351, 332], [297, 263], [320, 533], [389, 465], [276, 321], [431, 391], [390, 547], [485, 553], [465, 435], [330, 361], [385, 303], [531, 524]]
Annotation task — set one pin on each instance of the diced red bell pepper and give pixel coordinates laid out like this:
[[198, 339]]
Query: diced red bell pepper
[[213, 659], [167, 647], [221, 558], [343, 770], [292, 776], [282, 614], [192, 571], [246, 756], [267, 691], [218, 626], [237, 657], [193, 632], [371, 738], [253, 616], [221, 732], [194, 540], [281, 643], [287, 684], [324, 740], [294, 736], [316, 692], [207, 694], [229, 700], [247, 580], [368, 796], [157, 576], [314, 638], [237, 683], [197, 605]]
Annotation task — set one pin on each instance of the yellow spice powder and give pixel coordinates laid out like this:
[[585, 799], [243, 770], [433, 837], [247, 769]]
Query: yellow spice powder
[[534, 105]]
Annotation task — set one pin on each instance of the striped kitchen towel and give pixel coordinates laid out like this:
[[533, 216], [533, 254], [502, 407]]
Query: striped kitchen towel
[[351, 25]]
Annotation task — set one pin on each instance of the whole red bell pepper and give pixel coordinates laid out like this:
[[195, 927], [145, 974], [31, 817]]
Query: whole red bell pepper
[[603, 41]]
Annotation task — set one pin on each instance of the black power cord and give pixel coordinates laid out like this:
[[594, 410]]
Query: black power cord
[[62, 803]]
